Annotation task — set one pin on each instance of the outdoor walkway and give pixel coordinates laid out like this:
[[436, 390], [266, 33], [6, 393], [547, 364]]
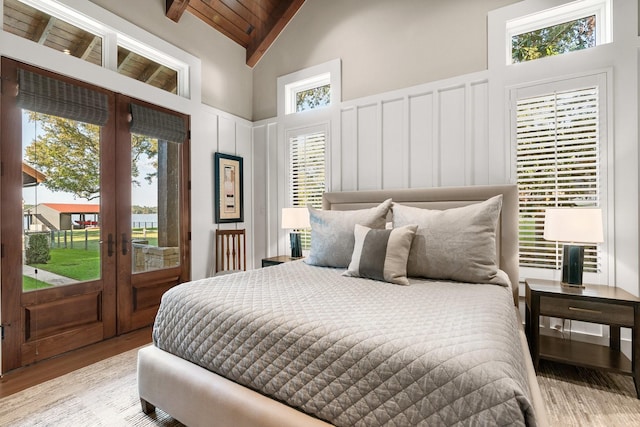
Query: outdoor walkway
[[45, 276]]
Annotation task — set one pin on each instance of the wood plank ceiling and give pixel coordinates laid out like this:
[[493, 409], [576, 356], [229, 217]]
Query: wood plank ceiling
[[253, 24]]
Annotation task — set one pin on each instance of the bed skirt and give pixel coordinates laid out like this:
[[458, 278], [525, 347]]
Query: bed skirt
[[197, 397]]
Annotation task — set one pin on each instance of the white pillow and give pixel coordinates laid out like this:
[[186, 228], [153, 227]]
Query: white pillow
[[456, 244], [332, 233]]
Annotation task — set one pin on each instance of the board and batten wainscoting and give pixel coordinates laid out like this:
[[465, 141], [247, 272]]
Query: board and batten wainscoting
[[431, 135]]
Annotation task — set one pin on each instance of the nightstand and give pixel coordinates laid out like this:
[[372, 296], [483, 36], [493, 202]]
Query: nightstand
[[275, 260], [594, 303]]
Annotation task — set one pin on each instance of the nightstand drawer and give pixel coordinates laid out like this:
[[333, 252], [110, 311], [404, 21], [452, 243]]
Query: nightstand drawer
[[589, 311]]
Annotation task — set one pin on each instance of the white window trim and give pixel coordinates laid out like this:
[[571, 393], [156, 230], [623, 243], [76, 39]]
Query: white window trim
[[560, 14], [111, 37], [288, 85], [601, 78]]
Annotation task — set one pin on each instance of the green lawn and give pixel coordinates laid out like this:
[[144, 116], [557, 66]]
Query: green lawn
[[76, 262], [31, 284]]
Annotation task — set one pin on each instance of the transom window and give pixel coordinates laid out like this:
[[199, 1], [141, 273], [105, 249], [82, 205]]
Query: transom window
[[315, 88], [308, 94], [56, 26], [575, 26], [51, 30]]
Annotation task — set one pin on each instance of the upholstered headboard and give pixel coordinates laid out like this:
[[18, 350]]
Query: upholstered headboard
[[444, 198]]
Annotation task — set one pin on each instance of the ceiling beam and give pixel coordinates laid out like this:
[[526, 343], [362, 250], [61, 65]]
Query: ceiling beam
[[259, 46], [86, 46], [151, 72], [175, 8], [43, 30]]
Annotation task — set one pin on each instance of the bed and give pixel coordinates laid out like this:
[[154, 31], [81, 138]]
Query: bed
[[302, 345]]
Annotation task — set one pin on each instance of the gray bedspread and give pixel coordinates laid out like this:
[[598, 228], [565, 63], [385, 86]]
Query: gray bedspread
[[354, 351]]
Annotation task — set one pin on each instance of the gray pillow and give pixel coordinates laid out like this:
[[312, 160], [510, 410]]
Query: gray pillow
[[381, 254], [455, 244], [332, 233]]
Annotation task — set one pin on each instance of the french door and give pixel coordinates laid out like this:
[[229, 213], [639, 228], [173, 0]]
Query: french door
[[76, 173]]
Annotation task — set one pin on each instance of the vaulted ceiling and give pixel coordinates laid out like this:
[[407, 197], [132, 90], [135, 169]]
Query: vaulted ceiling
[[253, 24]]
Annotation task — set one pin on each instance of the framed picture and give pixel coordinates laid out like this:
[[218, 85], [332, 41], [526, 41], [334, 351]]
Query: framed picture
[[229, 203]]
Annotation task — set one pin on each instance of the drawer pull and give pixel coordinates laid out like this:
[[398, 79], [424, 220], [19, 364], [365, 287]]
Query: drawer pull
[[585, 310]]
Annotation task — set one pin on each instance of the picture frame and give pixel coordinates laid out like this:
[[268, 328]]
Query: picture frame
[[228, 188]]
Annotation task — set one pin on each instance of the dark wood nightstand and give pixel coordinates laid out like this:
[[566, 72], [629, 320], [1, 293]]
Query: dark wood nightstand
[[275, 260], [605, 305]]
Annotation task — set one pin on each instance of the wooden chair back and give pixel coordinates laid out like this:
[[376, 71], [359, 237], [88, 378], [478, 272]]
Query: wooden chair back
[[231, 250]]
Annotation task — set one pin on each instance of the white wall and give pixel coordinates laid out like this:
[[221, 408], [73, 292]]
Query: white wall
[[384, 45], [456, 132], [430, 135]]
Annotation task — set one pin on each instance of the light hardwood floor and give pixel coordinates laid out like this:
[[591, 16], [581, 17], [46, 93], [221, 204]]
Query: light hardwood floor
[[22, 378]]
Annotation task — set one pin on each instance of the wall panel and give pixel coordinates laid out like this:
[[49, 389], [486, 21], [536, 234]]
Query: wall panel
[[394, 147], [452, 125], [479, 135], [429, 135], [349, 151], [369, 161], [421, 140], [260, 207]]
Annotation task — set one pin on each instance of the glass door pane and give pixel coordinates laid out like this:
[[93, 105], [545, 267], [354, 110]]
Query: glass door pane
[[60, 201], [155, 204]]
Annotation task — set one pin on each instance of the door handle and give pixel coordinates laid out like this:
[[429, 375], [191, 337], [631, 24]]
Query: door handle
[[110, 244], [125, 248]]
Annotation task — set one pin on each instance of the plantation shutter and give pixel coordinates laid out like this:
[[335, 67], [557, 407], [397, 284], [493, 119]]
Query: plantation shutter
[[558, 165], [307, 173], [157, 124], [47, 95]]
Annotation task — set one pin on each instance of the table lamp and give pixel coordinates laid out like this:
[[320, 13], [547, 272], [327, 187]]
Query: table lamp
[[295, 219], [575, 227]]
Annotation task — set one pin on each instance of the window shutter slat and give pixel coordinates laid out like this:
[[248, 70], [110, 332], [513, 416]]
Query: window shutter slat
[[307, 174], [558, 165]]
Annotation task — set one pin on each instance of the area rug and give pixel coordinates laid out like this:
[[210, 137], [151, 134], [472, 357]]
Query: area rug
[[102, 394], [105, 394]]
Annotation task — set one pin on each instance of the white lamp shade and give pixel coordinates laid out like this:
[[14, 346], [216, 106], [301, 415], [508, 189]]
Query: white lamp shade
[[575, 225], [295, 218]]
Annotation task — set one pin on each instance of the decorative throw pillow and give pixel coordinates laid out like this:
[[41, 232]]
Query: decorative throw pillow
[[456, 244], [381, 254], [332, 233]]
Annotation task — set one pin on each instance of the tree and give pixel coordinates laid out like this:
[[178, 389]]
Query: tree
[[554, 40], [67, 152], [313, 98]]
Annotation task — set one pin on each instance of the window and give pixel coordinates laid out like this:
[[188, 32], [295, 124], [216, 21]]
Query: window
[[308, 94], [53, 31], [307, 172], [559, 154], [570, 27], [148, 65], [59, 27], [312, 89]]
